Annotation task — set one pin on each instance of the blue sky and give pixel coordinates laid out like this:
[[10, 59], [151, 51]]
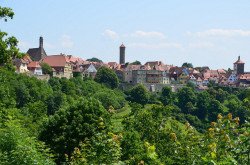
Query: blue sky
[[206, 33]]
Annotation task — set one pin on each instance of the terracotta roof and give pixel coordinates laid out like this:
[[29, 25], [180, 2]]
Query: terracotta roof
[[133, 67], [239, 61], [221, 71], [154, 63], [34, 64], [73, 59], [245, 76], [56, 60]]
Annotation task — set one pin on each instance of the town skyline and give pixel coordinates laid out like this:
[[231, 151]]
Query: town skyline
[[202, 33]]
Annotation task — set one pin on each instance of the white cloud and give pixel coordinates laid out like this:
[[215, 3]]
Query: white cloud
[[151, 34], [110, 34], [221, 33], [66, 41], [200, 45], [155, 46]]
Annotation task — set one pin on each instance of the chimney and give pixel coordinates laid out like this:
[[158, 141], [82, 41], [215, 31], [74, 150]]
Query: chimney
[[238, 58], [41, 42]]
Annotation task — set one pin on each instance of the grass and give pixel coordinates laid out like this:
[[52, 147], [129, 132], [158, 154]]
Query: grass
[[118, 117]]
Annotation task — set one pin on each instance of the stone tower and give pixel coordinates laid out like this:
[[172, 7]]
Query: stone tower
[[41, 42], [122, 54], [239, 66]]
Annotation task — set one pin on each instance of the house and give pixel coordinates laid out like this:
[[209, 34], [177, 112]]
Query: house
[[244, 79], [60, 64], [22, 64], [90, 71], [35, 68], [233, 78], [174, 73], [192, 79], [139, 76], [128, 75], [36, 54]]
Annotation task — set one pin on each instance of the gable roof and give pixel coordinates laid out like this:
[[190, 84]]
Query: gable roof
[[239, 61], [34, 64], [36, 54], [55, 60], [91, 69]]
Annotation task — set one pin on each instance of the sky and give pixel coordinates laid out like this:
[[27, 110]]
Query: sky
[[203, 32]]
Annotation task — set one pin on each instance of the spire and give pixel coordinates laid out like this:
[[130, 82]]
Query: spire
[[41, 42], [122, 46], [238, 58]]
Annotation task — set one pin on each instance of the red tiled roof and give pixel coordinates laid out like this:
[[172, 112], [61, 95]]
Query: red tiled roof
[[56, 60], [239, 61], [34, 64], [245, 76], [70, 58]]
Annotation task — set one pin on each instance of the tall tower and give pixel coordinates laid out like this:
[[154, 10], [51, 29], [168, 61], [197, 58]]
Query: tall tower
[[122, 54], [41, 42], [239, 66]]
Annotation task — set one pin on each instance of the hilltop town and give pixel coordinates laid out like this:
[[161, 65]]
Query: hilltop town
[[153, 74]]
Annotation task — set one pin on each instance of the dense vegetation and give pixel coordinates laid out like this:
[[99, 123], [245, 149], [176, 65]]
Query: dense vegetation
[[79, 121]]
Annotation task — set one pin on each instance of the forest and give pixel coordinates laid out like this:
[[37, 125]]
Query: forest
[[82, 121]]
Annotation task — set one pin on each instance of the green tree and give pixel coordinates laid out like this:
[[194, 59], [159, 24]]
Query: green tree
[[102, 148], [203, 103], [107, 77], [135, 63], [186, 99], [6, 13], [46, 69], [8, 45], [68, 127], [17, 147], [187, 65], [139, 94], [94, 59], [167, 96]]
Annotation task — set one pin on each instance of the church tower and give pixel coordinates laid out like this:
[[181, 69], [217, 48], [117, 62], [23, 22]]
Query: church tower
[[239, 66], [41, 42], [122, 54]]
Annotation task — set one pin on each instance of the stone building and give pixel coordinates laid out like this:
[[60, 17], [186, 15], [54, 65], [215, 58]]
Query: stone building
[[36, 54], [239, 66]]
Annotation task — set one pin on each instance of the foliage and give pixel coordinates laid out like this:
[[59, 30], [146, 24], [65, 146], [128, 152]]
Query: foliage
[[110, 98], [139, 94], [46, 69], [68, 127], [167, 96], [16, 147], [6, 13], [135, 63], [187, 65], [102, 148], [107, 77], [94, 59], [8, 45]]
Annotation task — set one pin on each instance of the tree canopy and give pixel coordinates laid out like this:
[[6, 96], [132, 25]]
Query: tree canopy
[[187, 65], [107, 77], [94, 59], [135, 63]]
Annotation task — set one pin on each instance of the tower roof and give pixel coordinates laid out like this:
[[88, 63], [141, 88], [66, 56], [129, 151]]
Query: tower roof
[[239, 61], [122, 46]]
